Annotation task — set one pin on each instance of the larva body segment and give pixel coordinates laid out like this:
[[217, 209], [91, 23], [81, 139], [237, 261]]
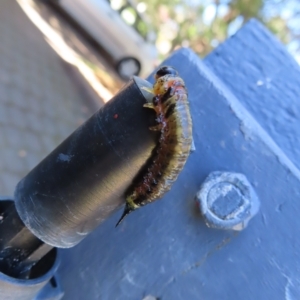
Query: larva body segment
[[175, 126]]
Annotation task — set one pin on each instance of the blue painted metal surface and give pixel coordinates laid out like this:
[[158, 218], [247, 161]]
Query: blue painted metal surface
[[266, 80], [165, 249]]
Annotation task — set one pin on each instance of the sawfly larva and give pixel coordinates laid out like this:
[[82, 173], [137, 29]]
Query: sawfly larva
[[169, 156]]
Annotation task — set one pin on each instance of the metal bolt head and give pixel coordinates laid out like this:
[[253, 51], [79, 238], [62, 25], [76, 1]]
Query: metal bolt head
[[150, 297], [227, 201]]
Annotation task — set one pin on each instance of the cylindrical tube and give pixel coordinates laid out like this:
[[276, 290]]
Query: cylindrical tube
[[20, 249], [84, 179], [15, 289]]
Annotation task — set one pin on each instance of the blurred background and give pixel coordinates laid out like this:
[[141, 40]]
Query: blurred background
[[60, 60], [137, 34], [204, 24]]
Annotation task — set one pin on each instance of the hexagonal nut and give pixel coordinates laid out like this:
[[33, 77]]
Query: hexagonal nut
[[227, 201]]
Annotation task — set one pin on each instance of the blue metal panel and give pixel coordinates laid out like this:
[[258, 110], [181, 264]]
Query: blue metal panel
[[165, 249], [266, 79]]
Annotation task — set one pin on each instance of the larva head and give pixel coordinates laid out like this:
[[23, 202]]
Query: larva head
[[166, 77], [165, 70]]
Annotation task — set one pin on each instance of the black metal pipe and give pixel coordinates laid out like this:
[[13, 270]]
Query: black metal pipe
[[84, 179]]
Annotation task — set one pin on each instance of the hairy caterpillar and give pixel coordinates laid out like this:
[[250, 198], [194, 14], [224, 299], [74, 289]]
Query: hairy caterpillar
[[175, 125]]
